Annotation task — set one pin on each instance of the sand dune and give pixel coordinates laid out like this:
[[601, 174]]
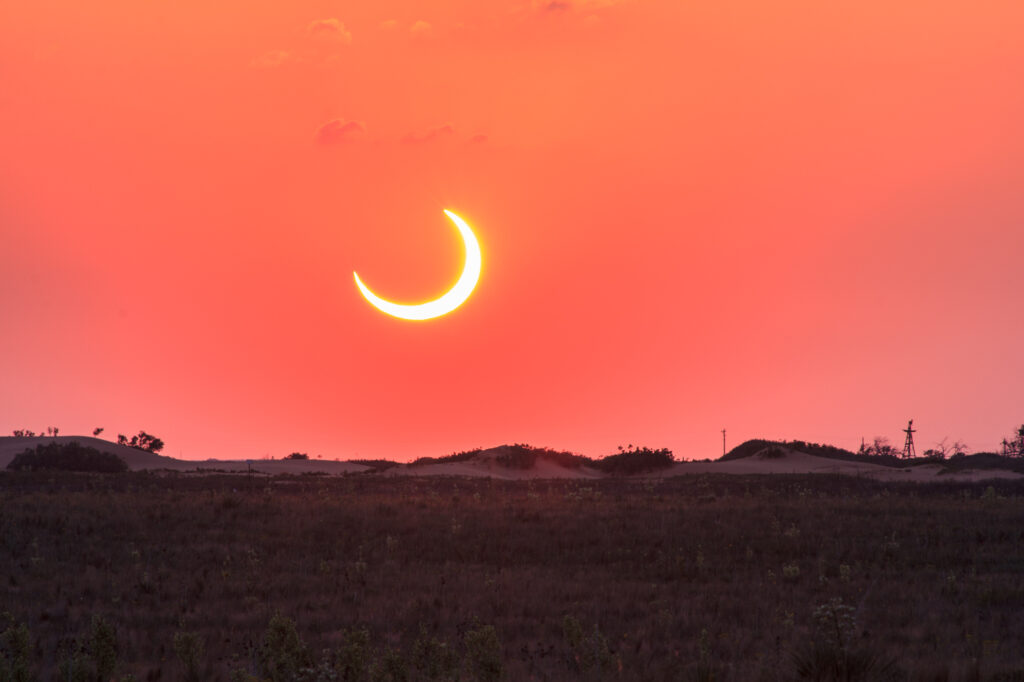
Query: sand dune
[[486, 464], [794, 462], [139, 460]]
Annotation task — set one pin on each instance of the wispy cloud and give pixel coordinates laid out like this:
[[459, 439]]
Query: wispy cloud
[[420, 28], [338, 131], [329, 29]]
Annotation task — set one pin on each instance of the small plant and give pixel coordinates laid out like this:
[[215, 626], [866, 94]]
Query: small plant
[[389, 667], [589, 655], [15, 652], [791, 572], [188, 646], [831, 654], [103, 648], [353, 655], [73, 662], [483, 654], [433, 659], [283, 654]]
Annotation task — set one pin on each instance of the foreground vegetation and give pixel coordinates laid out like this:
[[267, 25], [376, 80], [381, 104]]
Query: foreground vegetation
[[183, 577]]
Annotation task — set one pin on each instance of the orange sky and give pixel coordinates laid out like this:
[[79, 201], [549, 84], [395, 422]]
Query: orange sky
[[789, 219]]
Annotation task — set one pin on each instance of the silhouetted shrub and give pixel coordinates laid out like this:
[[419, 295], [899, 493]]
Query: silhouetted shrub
[[522, 456], [297, 455], [635, 461], [67, 457], [464, 456], [141, 441], [773, 452], [375, 464]]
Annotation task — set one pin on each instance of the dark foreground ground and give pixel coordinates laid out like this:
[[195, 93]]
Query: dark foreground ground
[[692, 578]]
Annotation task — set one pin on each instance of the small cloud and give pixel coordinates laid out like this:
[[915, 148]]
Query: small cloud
[[389, 25], [272, 59], [337, 131], [420, 28], [433, 134], [329, 29], [479, 138], [570, 5]]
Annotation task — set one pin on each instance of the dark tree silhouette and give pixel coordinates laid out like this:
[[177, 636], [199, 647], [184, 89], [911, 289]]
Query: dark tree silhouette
[[297, 455], [142, 441], [1014, 446]]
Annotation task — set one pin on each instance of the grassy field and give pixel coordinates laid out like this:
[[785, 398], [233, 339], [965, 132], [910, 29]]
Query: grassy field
[[693, 578]]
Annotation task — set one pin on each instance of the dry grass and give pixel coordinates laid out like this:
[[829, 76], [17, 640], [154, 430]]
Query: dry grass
[[694, 577]]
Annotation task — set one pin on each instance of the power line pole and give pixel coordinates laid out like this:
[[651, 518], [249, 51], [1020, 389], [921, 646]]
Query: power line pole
[[723, 442]]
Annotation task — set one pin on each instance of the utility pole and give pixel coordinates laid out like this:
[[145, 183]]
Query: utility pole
[[723, 442]]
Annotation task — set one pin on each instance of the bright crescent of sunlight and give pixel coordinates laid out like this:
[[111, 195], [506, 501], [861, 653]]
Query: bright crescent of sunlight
[[451, 299]]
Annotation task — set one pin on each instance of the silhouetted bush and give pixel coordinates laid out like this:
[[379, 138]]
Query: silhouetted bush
[[523, 456], [517, 456], [464, 456], [773, 452], [635, 461], [375, 464], [297, 455], [141, 441], [67, 457]]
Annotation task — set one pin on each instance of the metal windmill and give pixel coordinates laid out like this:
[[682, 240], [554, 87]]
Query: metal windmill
[[908, 445]]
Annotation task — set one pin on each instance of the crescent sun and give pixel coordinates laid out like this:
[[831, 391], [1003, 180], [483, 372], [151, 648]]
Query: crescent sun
[[447, 302]]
